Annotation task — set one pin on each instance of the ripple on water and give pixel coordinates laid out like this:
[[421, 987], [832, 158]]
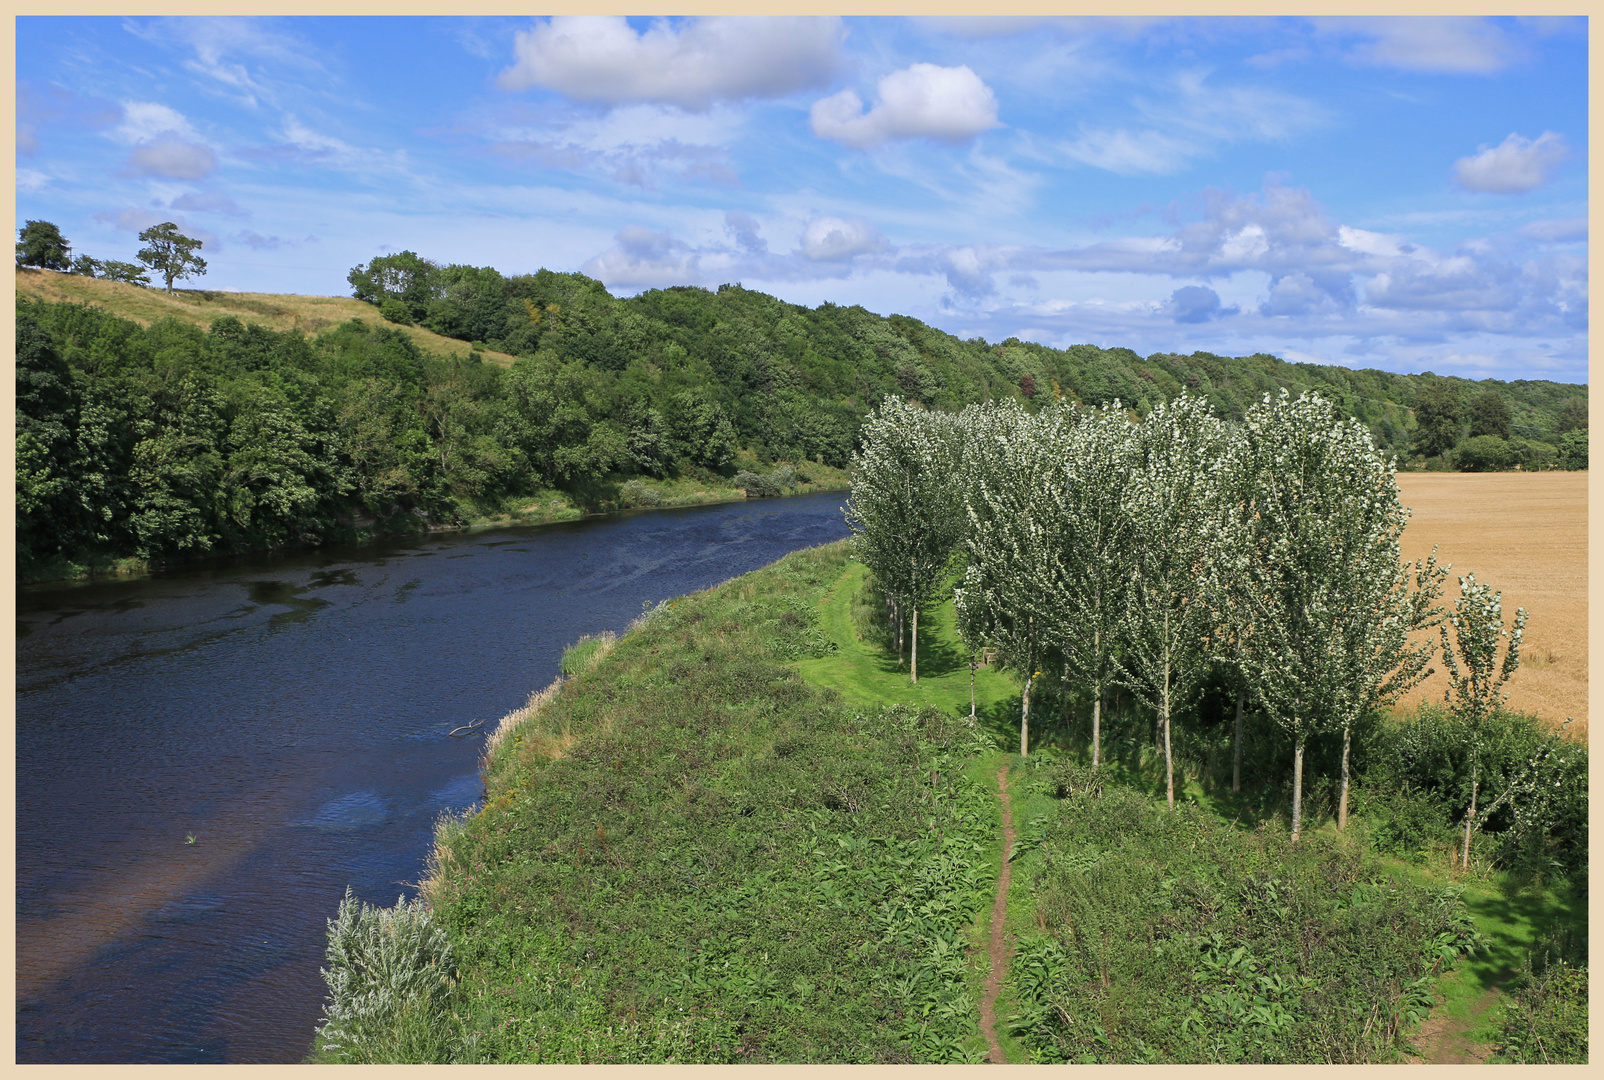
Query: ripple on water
[[358, 810]]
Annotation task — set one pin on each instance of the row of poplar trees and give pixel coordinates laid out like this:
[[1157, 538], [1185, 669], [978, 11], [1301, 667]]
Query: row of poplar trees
[[1139, 554]]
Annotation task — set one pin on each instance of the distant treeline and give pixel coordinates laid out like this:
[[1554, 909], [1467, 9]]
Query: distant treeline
[[165, 441]]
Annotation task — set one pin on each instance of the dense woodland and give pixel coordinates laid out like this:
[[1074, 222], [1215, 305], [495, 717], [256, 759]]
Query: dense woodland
[[168, 441]]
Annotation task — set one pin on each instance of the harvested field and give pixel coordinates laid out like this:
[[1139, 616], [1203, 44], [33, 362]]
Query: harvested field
[[1524, 534], [309, 314]]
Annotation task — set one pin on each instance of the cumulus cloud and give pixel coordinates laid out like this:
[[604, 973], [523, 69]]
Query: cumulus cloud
[[1196, 304], [171, 158], [691, 65], [643, 258], [1447, 45], [1513, 166], [920, 101], [831, 238]]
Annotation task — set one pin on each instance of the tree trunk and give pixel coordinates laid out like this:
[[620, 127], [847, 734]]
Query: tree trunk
[[1342, 794], [1097, 696], [1297, 788], [1097, 722], [1024, 716], [1236, 748], [1470, 818], [914, 641], [971, 686], [1169, 760]]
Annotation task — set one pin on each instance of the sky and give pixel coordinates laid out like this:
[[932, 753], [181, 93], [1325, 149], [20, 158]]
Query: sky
[[1408, 193]]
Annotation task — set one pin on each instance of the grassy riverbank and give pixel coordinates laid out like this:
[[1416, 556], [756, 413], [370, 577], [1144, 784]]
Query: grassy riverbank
[[738, 834]]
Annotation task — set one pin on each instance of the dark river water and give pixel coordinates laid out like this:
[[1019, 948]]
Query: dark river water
[[291, 716]]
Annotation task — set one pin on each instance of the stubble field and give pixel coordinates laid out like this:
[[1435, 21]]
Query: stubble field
[[1524, 534]]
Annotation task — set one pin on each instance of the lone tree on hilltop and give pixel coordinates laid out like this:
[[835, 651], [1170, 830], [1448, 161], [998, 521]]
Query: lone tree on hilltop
[[171, 254], [39, 243]]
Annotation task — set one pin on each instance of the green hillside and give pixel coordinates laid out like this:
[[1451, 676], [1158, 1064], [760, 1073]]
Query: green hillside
[[159, 428]]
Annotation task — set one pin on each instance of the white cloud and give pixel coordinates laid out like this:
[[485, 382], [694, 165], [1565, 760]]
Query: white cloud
[[1552, 231], [601, 59], [1132, 153], [1514, 165], [147, 120], [643, 258], [920, 101], [831, 238], [171, 158], [1186, 118], [32, 180], [1446, 45]]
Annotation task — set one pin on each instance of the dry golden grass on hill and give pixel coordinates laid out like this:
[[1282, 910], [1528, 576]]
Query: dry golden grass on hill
[[1526, 535], [276, 311]]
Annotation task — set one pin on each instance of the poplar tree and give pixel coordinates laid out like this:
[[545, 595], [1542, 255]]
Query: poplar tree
[[1094, 546], [1172, 503], [905, 507], [1000, 597], [1476, 678], [1321, 603]]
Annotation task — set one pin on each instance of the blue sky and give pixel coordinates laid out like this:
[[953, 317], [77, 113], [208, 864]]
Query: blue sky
[[1408, 194]]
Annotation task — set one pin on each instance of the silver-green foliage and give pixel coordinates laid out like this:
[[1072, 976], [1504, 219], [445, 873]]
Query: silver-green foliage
[[1476, 678], [1172, 503], [1095, 545], [1321, 601], [1006, 468], [390, 971], [904, 509]]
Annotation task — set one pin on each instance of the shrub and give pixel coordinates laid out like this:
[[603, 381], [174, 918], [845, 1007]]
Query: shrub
[[1173, 937], [390, 972], [396, 311], [635, 494], [1545, 1019]]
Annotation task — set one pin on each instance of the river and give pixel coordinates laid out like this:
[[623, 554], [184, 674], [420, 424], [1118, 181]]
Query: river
[[206, 758]]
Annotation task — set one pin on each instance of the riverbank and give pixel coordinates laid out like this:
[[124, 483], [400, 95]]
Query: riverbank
[[541, 508], [741, 834]]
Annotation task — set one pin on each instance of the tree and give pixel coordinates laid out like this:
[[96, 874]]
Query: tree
[[1572, 415], [1322, 605], [86, 266], [132, 273], [1475, 676], [1000, 599], [904, 509], [403, 276], [40, 243], [1172, 500], [171, 254], [1091, 543], [1436, 409], [1573, 449], [1489, 415], [1484, 453]]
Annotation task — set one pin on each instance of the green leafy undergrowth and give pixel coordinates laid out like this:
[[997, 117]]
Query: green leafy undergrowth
[[1544, 1019], [690, 854], [1174, 937]]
